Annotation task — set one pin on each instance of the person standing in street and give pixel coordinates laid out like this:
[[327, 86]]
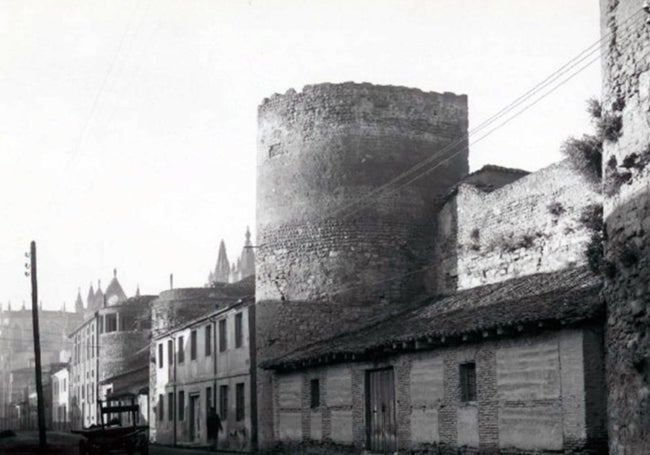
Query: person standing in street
[[214, 427]]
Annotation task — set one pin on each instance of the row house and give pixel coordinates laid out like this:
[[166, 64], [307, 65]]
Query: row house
[[206, 363]]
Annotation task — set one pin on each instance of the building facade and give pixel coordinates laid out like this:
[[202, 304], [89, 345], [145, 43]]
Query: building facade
[[204, 364], [85, 365], [176, 314], [60, 381]]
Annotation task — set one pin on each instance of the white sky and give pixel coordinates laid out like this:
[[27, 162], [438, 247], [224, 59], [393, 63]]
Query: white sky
[[128, 128]]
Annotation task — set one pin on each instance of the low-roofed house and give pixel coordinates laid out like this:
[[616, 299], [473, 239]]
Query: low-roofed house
[[513, 366]]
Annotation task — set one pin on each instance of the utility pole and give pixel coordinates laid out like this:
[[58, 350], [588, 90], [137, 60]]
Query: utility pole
[[42, 441]]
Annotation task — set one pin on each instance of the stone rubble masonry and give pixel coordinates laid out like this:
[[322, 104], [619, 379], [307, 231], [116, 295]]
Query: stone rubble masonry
[[626, 94], [529, 226], [535, 394], [318, 151]]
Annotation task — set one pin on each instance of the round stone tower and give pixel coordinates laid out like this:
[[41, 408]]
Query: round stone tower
[[328, 148]]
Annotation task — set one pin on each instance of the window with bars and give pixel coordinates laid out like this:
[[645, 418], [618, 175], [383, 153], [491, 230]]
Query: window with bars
[[111, 323], [223, 336], [240, 401], [208, 340], [223, 402], [467, 382], [314, 393], [239, 335], [193, 345]]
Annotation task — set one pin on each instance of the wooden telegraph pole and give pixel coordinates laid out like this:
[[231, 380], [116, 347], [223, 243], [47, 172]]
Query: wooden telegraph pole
[[42, 441]]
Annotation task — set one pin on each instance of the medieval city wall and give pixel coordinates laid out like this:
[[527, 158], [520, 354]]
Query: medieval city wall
[[626, 169], [319, 151], [536, 394], [533, 225]]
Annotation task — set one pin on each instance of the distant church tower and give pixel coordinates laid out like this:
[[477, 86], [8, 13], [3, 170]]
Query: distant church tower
[[247, 267], [222, 270], [79, 304], [225, 272]]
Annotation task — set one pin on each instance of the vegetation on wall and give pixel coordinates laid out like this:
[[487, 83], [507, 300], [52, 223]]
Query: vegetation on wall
[[592, 219]]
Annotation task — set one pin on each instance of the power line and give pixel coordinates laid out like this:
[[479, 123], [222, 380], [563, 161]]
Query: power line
[[571, 64]]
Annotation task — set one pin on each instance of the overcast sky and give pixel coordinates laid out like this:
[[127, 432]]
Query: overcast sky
[[128, 128]]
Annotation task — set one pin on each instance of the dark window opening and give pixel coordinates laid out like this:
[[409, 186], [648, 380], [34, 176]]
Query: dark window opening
[[170, 405], [239, 402], [468, 382], [208, 340], [181, 350], [223, 336], [239, 336], [181, 405], [193, 345], [223, 402], [314, 393], [160, 355]]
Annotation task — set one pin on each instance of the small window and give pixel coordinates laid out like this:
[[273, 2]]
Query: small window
[[314, 389], [208, 340], [170, 352], [160, 355], [181, 405], [161, 407], [223, 402], [468, 382], [223, 336], [170, 405], [239, 338], [240, 410], [193, 345], [181, 350]]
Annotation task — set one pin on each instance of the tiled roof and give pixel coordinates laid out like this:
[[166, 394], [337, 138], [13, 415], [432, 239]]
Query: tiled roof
[[517, 305]]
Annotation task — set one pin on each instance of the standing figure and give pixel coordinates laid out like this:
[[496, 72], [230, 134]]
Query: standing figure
[[214, 426]]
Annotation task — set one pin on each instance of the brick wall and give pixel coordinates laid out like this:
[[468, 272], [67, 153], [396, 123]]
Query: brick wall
[[626, 95], [535, 394], [529, 226]]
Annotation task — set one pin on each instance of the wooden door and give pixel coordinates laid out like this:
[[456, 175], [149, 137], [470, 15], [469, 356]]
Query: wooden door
[[381, 427]]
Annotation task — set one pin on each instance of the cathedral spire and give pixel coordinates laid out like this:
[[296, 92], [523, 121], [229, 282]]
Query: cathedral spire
[[222, 270], [247, 260], [79, 303]]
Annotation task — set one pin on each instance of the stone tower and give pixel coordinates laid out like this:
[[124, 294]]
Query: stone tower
[[626, 174], [321, 268]]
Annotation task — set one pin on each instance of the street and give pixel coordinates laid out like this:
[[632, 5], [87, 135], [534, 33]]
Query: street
[[26, 442]]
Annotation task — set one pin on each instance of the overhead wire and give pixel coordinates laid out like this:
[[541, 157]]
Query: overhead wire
[[553, 77], [525, 108]]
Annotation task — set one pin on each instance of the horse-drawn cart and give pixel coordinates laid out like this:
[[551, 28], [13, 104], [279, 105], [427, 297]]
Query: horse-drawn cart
[[112, 436]]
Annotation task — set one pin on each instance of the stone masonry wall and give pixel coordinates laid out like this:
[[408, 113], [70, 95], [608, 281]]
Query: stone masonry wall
[[530, 226], [626, 159], [535, 394], [318, 151]]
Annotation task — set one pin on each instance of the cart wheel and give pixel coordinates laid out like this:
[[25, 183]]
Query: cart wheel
[[82, 447]]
